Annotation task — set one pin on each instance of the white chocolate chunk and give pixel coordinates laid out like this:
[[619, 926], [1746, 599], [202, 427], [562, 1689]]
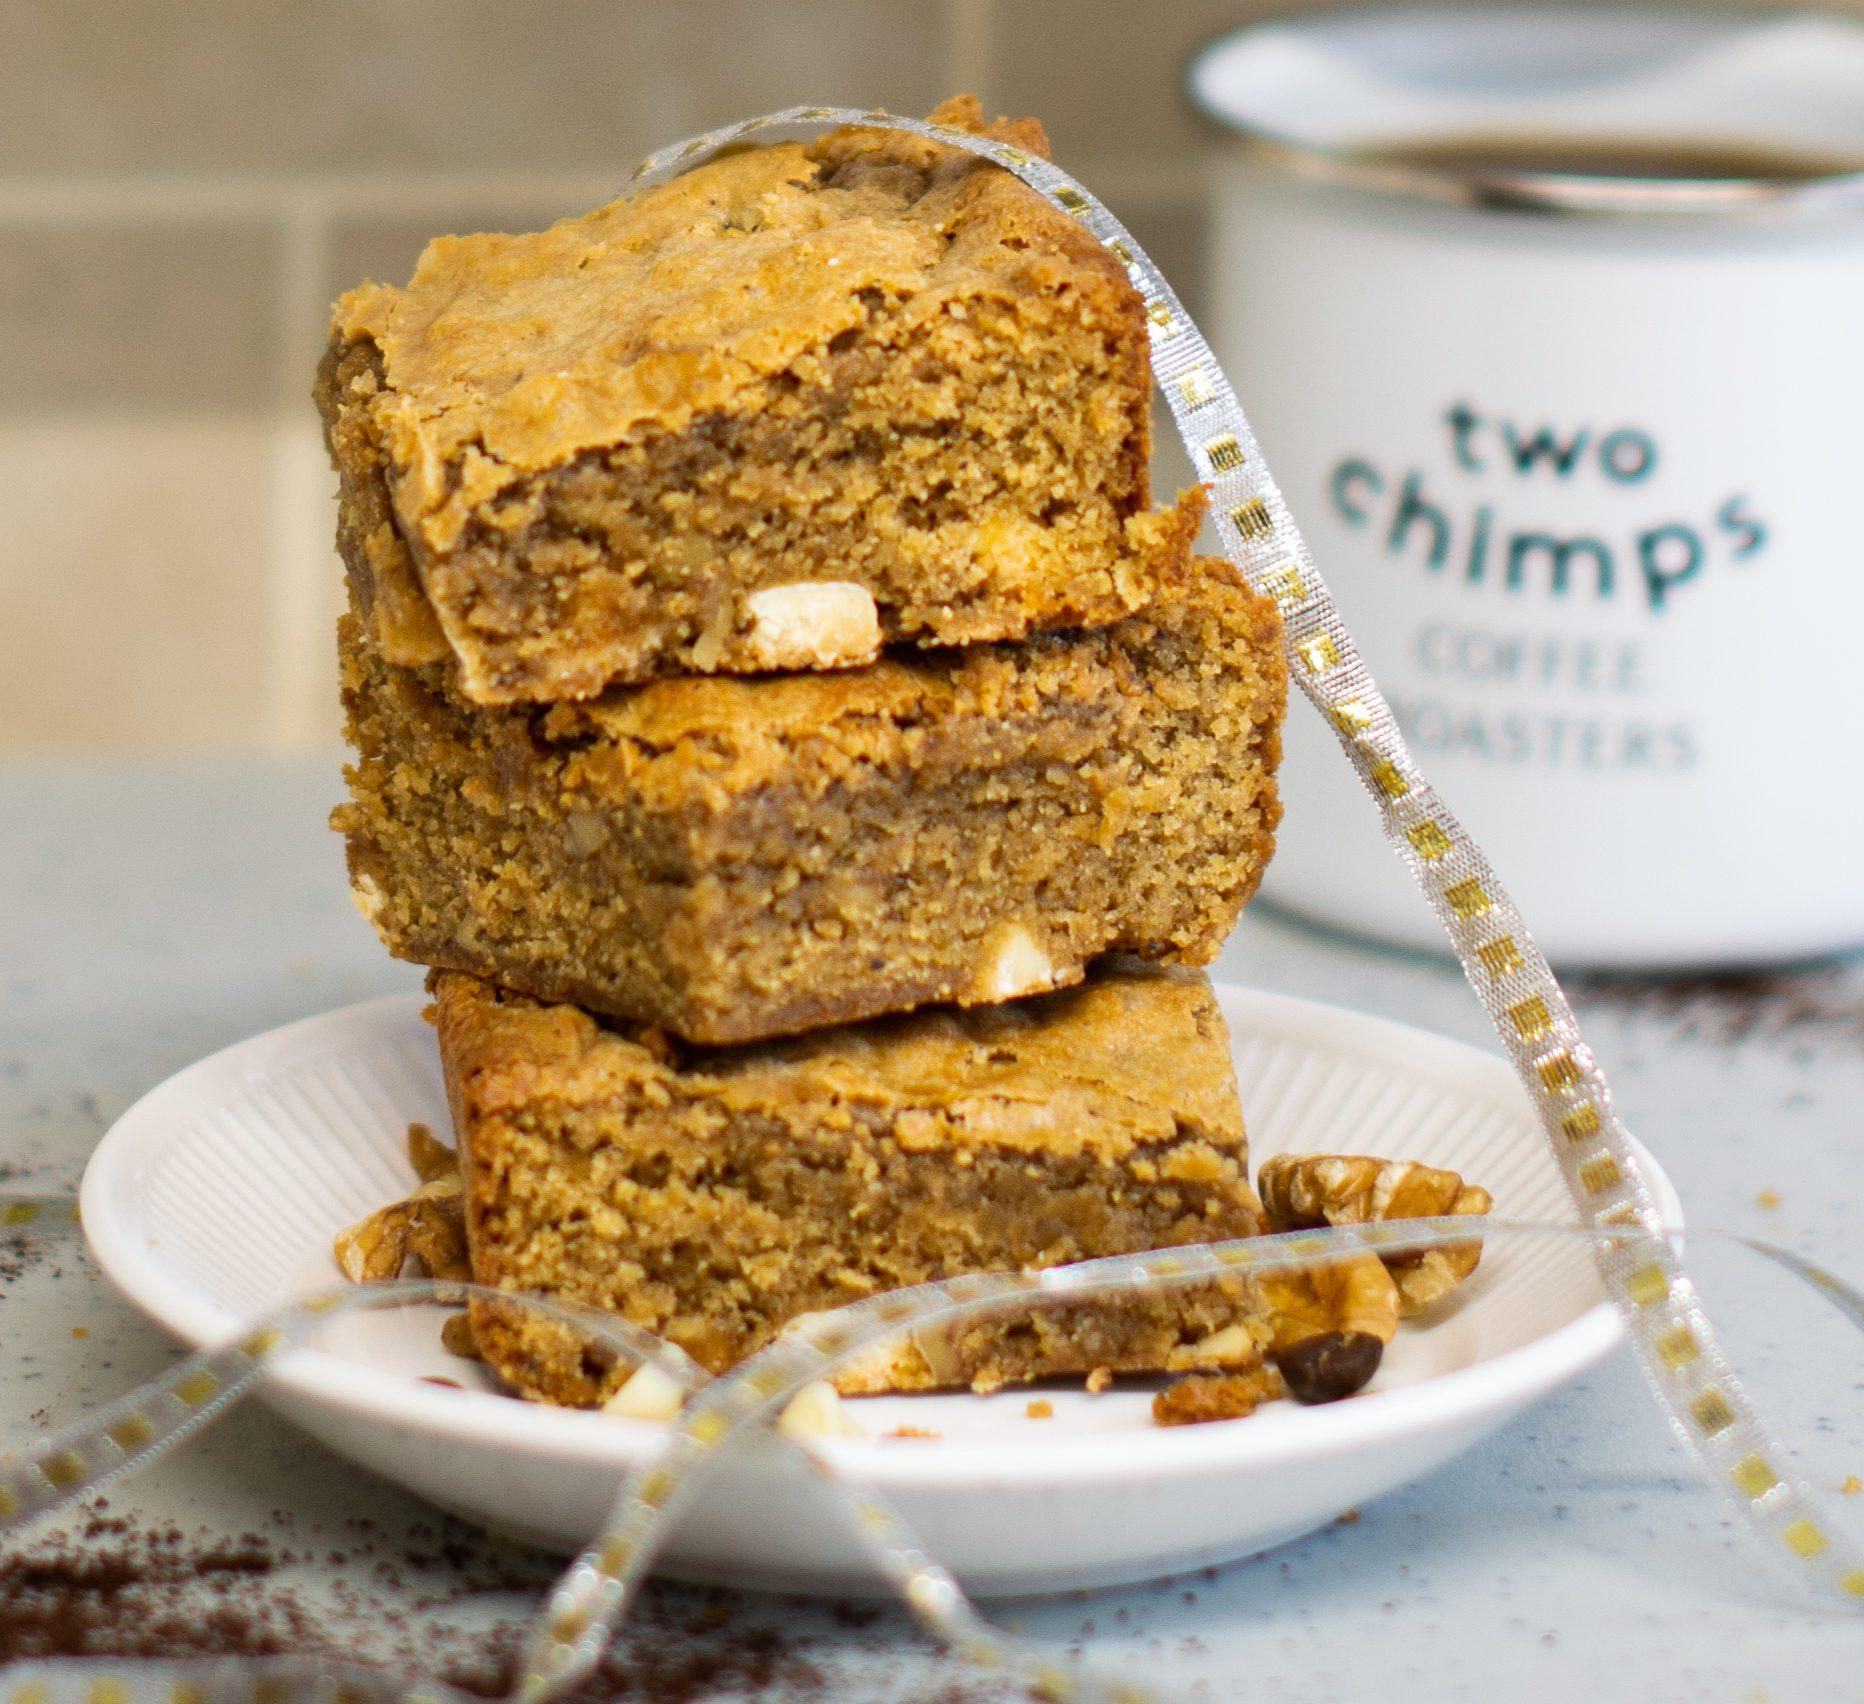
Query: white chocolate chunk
[[813, 624], [815, 1411], [585, 833], [1013, 964], [367, 897], [1232, 1343], [866, 1368], [940, 1354], [648, 1394]]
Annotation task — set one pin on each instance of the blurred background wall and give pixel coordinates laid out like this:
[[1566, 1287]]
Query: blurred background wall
[[186, 184]]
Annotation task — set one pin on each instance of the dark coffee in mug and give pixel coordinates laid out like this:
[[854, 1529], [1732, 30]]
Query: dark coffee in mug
[[1645, 157]]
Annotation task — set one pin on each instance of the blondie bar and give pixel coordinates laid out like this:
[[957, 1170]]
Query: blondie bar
[[803, 400], [733, 859], [713, 1195]]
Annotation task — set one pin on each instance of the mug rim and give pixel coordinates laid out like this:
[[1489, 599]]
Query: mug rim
[[1511, 188]]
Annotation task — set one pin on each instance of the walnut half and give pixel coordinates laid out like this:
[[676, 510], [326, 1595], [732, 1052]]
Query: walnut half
[[1329, 1325], [427, 1226], [1303, 1191]]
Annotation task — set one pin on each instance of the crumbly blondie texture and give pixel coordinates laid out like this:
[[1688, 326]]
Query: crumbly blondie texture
[[713, 1195], [736, 859], [801, 400]]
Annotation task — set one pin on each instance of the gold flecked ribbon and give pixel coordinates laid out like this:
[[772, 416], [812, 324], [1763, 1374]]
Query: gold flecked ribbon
[[591, 1597], [37, 1215], [577, 1621], [1688, 1373]]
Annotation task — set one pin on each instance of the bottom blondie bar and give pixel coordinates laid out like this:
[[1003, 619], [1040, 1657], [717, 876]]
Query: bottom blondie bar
[[713, 1195]]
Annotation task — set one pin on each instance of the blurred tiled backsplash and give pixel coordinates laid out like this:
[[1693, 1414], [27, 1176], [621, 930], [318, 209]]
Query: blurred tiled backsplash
[[186, 184]]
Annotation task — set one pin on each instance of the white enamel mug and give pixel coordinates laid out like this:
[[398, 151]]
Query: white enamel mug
[[1582, 459]]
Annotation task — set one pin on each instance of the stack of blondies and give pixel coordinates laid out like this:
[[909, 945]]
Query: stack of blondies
[[806, 757]]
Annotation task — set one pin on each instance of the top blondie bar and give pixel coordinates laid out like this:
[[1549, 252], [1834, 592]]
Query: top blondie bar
[[802, 401]]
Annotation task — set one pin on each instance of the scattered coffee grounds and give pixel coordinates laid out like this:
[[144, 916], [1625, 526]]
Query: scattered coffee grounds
[[449, 1601], [122, 1590], [1820, 1005], [667, 1664], [20, 1255]]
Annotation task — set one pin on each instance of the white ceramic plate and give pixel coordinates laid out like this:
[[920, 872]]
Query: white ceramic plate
[[216, 1197]]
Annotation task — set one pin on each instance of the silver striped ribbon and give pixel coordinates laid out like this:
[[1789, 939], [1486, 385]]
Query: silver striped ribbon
[[580, 1615]]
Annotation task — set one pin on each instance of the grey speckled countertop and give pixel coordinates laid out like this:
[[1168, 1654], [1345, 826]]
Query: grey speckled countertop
[[153, 913]]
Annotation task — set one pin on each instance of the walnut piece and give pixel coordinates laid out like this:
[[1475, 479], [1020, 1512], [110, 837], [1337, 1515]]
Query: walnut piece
[[437, 1229], [1329, 1325], [1303, 1191], [427, 1226], [456, 1337], [375, 1248], [431, 1158]]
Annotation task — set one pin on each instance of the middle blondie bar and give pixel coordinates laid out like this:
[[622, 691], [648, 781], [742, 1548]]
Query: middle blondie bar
[[733, 859]]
